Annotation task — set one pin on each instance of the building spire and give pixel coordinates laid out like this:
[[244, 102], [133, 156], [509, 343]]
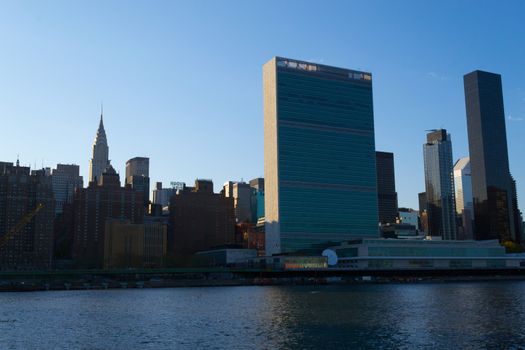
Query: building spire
[[101, 124], [99, 161], [101, 114]]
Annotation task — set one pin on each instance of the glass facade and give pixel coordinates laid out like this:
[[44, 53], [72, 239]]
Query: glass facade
[[410, 254], [386, 187], [492, 190], [425, 248], [439, 185], [463, 192], [430, 251], [319, 155], [463, 185], [257, 199]]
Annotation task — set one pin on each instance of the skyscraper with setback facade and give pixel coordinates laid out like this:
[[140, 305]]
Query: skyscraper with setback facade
[[439, 185], [100, 160]]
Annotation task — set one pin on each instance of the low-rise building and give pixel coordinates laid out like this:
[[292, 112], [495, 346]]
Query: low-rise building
[[134, 245], [408, 216], [290, 262], [399, 254], [399, 231], [251, 236], [229, 256]]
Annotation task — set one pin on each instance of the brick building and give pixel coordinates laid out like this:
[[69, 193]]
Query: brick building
[[27, 201], [93, 205], [200, 219]]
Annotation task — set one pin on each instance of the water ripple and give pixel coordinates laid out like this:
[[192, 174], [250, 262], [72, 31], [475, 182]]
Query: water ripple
[[391, 316]]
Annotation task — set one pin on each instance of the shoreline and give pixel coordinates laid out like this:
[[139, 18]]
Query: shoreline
[[32, 285]]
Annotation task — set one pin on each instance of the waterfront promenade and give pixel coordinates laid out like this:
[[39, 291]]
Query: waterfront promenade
[[204, 277]]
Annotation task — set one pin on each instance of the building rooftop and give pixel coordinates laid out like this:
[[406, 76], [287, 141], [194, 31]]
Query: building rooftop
[[322, 69], [462, 163]]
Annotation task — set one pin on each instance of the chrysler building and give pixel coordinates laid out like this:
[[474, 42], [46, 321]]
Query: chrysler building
[[100, 160]]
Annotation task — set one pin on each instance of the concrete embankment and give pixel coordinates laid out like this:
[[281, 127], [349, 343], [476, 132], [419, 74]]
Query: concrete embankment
[[172, 278]]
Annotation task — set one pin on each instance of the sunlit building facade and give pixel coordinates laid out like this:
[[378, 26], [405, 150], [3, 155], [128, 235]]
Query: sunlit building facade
[[100, 160], [463, 193], [319, 155], [241, 194], [439, 185]]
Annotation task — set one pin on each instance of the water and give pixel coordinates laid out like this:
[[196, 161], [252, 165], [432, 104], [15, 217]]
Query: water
[[392, 316]]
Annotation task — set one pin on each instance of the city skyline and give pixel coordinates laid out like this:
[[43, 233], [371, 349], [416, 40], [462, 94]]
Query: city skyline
[[67, 112], [237, 174]]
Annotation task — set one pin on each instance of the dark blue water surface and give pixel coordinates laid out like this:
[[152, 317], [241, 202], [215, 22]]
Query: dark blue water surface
[[474, 315]]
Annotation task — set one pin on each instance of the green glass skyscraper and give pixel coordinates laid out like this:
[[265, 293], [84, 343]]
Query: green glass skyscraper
[[319, 155]]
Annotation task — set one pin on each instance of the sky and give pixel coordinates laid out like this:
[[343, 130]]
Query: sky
[[181, 82]]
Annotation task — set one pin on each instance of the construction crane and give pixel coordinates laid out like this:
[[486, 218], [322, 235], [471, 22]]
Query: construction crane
[[20, 225]]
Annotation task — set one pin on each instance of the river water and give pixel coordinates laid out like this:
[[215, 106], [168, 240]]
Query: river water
[[471, 315]]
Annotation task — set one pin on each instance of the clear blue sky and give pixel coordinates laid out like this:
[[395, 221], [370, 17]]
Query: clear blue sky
[[181, 81]]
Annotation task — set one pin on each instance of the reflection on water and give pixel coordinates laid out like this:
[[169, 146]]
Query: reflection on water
[[400, 316]]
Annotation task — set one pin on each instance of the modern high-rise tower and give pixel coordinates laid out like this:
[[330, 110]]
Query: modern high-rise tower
[[137, 175], [319, 155], [100, 160], [439, 185], [492, 184], [66, 180], [386, 188], [463, 192]]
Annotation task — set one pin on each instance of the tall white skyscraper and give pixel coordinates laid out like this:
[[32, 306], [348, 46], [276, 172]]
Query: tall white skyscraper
[[464, 201], [100, 160]]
